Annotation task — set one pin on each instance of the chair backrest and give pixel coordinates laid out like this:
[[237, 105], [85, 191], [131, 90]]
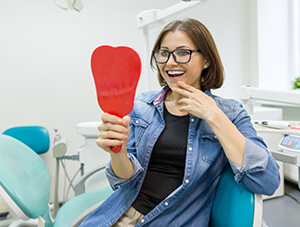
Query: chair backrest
[[234, 205], [35, 137], [24, 178]]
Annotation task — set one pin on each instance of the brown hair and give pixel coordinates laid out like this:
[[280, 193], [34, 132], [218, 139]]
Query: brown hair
[[212, 76]]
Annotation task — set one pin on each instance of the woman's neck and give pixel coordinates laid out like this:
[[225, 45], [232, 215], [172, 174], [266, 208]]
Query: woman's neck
[[171, 103]]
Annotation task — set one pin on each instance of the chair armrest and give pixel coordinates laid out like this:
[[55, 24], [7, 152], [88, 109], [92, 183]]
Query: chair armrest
[[77, 208], [79, 186], [258, 210]]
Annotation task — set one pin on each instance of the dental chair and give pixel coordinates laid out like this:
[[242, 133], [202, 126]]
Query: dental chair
[[25, 186], [37, 138], [234, 205]]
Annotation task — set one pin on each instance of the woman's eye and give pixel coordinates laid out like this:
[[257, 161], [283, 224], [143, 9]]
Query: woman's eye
[[182, 52], [164, 53]]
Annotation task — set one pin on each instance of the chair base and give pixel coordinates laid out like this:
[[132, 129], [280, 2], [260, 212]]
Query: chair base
[[12, 220]]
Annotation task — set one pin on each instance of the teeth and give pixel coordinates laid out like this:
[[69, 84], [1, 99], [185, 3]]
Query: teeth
[[175, 72]]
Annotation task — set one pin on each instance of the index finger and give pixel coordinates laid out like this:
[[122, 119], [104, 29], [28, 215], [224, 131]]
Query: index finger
[[109, 118], [186, 86], [181, 91]]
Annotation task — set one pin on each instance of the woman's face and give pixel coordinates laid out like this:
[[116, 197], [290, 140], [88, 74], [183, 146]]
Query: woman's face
[[172, 71]]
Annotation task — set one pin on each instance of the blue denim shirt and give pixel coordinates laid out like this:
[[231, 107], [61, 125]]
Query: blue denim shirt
[[190, 204]]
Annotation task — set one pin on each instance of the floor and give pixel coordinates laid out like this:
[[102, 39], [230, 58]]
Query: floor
[[283, 211]]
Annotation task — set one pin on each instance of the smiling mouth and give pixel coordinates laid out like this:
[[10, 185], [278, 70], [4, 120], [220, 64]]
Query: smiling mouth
[[175, 73]]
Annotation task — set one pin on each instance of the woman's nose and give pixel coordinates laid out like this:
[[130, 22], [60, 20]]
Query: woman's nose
[[171, 59]]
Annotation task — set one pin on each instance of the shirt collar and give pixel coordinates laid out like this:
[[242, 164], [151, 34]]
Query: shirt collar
[[161, 96]]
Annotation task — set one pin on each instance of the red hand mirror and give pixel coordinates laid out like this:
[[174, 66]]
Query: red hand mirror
[[116, 72]]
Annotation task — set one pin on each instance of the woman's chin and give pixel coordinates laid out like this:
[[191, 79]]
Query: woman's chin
[[173, 85]]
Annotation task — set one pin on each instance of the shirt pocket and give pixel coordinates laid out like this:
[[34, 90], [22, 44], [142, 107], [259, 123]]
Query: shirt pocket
[[210, 147], [139, 127]]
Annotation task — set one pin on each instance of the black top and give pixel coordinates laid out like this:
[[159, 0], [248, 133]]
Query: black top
[[166, 167]]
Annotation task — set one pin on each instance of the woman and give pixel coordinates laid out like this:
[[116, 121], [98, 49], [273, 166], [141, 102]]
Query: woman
[[176, 142]]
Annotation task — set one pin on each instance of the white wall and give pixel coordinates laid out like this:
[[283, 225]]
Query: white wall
[[273, 44], [45, 76]]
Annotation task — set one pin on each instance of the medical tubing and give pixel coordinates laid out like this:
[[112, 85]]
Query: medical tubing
[[66, 191], [67, 175], [74, 157], [55, 209], [71, 183]]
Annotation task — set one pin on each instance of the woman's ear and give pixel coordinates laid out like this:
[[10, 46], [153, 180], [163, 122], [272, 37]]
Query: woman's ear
[[206, 65]]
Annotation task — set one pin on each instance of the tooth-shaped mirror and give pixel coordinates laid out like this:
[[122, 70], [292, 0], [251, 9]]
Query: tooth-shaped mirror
[[116, 72]]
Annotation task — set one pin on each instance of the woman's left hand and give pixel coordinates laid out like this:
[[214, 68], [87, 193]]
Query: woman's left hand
[[196, 102]]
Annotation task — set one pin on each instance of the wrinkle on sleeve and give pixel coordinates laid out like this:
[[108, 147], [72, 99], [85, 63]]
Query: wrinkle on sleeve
[[260, 172], [115, 181], [255, 159]]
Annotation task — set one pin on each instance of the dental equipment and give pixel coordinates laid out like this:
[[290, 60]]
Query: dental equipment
[[25, 186], [250, 95], [37, 138], [91, 156], [274, 124], [288, 102], [148, 17], [69, 4], [288, 148], [60, 147], [29, 195]]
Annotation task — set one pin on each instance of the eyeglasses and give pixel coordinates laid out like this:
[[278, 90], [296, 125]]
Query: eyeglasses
[[180, 56]]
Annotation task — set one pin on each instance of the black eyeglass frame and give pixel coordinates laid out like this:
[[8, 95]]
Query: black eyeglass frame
[[174, 56]]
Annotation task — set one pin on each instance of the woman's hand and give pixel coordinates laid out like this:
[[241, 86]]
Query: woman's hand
[[113, 131], [202, 106], [196, 102]]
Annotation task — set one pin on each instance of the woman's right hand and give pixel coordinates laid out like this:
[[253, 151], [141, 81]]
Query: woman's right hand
[[113, 131]]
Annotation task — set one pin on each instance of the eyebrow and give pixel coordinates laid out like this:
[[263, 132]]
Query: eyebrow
[[179, 47]]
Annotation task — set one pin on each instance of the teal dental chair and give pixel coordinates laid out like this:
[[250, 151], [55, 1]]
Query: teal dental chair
[[35, 137], [25, 186], [234, 205]]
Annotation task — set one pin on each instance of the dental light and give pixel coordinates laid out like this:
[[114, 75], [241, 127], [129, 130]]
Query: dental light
[[148, 17], [69, 4]]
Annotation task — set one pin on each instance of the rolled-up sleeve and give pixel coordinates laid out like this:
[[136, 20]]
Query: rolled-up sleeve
[[259, 179], [255, 160], [260, 171], [116, 182]]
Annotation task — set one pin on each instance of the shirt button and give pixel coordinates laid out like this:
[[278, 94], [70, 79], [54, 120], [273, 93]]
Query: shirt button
[[136, 121], [142, 220], [187, 181], [190, 148], [166, 203], [192, 120]]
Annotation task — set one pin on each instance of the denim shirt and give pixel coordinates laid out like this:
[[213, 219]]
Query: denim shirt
[[190, 204]]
